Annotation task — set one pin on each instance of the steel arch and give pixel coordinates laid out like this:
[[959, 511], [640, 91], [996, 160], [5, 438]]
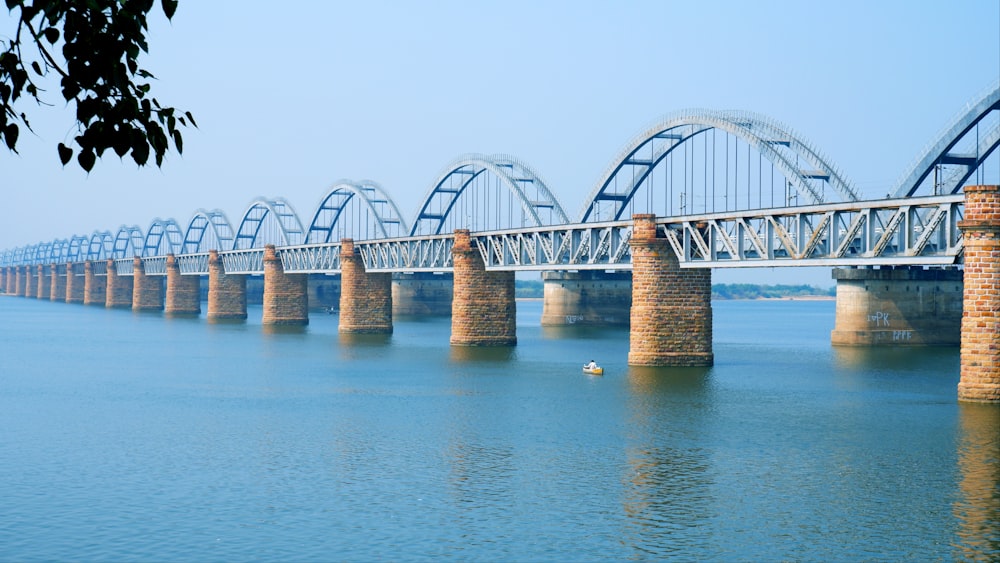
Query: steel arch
[[160, 231], [511, 171], [77, 248], [216, 225], [938, 152], [101, 246], [761, 133], [60, 248], [290, 228], [374, 199], [128, 237]]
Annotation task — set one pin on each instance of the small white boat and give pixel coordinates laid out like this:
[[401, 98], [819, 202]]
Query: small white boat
[[598, 370]]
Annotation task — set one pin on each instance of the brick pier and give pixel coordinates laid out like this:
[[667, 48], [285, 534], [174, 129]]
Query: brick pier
[[980, 355], [365, 298], [44, 280], [120, 288], [30, 280], [95, 290], [10, 278], [57, 286], [671, 315], [483, 310], [286, 299], [147, 291], [183, 292], [227, 293]]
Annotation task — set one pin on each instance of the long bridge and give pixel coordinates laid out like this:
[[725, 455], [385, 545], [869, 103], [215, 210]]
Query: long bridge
[[695, 191]]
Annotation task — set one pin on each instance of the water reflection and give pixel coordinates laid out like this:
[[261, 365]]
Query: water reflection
[[483, 353], [867, 358], [371, 340], [978, 505], [284, 329], [668, 485]]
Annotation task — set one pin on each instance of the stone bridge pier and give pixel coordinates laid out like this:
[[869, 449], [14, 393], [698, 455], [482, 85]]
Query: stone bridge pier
[[980, 354], [183, 297], [95, 290], [120, 288], [365, 297], [44, 280], [30, 281], [286, 297], [671, 315], [588, 297], [57, 286], [227, 293], [483, 307], [147, 291]]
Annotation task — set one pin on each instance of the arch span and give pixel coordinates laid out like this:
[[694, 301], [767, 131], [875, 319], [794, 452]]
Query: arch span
[[129, 242], [940, 153], [381, 216], [269, 221], [163, 237], [781, 146], [208, 230], [529, 191], [101, 246], [78, 247]]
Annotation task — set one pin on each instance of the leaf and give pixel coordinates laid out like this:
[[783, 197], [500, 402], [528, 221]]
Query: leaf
[[86, 160], [190, 118], [10, 136], [35, 67], [65, 153], [178, 141], [51, 35], [169, 8]]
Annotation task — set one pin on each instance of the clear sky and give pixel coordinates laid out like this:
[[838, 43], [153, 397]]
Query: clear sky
[[291, 96]]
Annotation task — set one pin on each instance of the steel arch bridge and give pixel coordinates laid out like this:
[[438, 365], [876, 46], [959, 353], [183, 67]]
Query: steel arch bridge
[[377, 215], [950, 170], [527, 191], [805, 169]]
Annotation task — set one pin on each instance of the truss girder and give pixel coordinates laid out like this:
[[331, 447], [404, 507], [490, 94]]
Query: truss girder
[[290, 231], [939, 149], [123, 266], [379, 206], [193, 264], [247, 261], [580, 247], [513, 173], [761, 133], [154, 266], [316, 258], [208, 230], [429, 253]]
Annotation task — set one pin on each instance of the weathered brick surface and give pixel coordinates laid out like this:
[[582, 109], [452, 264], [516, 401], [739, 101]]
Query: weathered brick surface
[[74, 285], [671, 315], [592, 298], [95, 289], [30, 280], [9, 279], [43, 282], [227, 293], [147, 291], [483, 308], [422, 294], [286, 300], [907, 306], [120, 288], [19, 280], [365, 298], [3, 279], [57, 287], [183, 292], [980, 355]]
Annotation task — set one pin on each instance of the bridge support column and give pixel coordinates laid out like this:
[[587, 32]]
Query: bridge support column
[[422, 294], [8, 280], [120, 288], [903, 306], [30, 281], [286, 299], [19, 280], [227, 293], [483, 310], [671, 314], [57, 285], [183, 292], [365, 298], [3, 279], [589, 297], [147, 291], [95, 290], [74, 285], [980, 355], [43, 282]]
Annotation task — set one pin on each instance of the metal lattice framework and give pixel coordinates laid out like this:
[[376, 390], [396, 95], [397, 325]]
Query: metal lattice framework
[[458, 176], [939, 152], [269, 221], [129, 242], [774, 141], [381, 213], [208, 230], [163, 237], [101, 247]]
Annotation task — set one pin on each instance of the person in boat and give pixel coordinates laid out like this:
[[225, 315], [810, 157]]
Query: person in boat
[[591, 365]]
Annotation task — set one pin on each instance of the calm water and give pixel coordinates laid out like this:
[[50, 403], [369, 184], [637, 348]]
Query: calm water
[[137, 437]]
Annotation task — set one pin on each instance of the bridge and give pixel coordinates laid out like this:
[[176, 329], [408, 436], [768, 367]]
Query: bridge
[[695, 191]]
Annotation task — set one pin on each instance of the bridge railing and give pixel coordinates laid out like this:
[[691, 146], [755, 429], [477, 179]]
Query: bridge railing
[[248, 261], [430, 253], [580, 247], [123, 266], [193, 264], [155, 265], [313, 258]]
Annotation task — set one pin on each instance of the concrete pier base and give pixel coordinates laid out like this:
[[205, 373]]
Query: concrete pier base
[[671, 314], [227, 293], [183, 297], [483, 308], [422, 294], [588, 298], [902, 306], [95, 289], [980, 352], [286, 300], [365, 298], [120, 288]]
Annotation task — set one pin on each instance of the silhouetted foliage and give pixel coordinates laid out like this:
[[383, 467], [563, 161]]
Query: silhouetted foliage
[[100, 42]]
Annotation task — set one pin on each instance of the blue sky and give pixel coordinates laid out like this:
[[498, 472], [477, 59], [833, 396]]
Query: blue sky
[[292, 96]]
